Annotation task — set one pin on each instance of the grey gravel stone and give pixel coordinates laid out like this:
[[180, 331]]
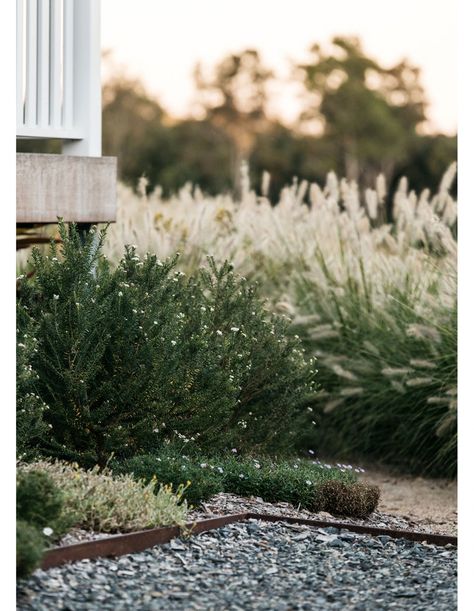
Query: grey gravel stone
[[255, 566]]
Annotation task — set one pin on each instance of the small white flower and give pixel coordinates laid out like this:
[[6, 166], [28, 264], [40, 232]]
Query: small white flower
[[203, 308], [234, 450], [328, 466], [219, 332], [234, 329], [203, 465], [48, 531], [310, 409], [120, 294], [55, 297], [156, 430], [173, 342], [311, 452], [135, 311], [220, 469], [308, 482], [241, 475]]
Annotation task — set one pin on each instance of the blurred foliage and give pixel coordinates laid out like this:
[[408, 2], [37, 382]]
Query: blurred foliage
[[368, 119], [359, 119]]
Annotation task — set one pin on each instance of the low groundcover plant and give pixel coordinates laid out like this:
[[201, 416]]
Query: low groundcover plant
[[99, 501], [303, 483]]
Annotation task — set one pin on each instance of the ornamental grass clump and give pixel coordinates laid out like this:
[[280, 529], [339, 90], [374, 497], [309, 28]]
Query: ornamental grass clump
[[129, 356], [338, 498], [96, 500]]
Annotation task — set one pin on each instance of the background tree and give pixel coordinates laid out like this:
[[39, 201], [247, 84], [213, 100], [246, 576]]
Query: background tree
[[369, 120], [233, 99], [371, 114], [133, 129]]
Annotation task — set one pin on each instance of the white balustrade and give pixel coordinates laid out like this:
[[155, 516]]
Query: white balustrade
[[58, 93]]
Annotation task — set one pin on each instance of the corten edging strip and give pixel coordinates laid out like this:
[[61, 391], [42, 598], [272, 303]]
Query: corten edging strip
[[130, 543], [375, 531], [118, 545]]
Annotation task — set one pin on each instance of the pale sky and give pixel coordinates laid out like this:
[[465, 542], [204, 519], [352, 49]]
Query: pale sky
[[161, 42]]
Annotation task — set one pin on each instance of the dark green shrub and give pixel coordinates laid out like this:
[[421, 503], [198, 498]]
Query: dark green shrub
[[38, 500], [130, 356], [176, 470], [30, 425], [357, 500], [29, 548]]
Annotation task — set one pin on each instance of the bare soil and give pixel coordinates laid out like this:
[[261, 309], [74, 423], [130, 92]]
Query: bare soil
[[429, 503]]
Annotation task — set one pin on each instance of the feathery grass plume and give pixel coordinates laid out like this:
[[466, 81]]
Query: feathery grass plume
[[422, 364]]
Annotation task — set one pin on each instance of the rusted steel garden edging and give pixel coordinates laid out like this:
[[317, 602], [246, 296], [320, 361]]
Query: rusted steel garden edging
[[130, 543], [375, 531]]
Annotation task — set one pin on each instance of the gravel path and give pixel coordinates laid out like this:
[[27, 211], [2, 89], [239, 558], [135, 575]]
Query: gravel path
[[256, 566]]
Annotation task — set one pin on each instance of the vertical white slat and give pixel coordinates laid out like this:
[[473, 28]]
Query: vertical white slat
[[87, 88], [19, 63], [55, 59], [31, 65], [68, 63], [43, 63]]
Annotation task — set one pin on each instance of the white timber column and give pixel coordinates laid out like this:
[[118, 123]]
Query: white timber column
[[82, 92]]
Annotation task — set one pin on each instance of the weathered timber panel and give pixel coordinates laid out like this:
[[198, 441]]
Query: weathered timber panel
[[79, 189]]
